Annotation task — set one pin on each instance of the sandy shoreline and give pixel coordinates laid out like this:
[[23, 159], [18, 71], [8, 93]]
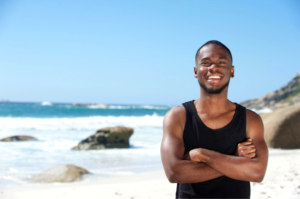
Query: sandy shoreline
[[149, 185], [282, 180]]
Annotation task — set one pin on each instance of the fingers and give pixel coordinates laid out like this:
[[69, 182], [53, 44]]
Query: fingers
[[247, 149], [248, 142], [250, 155], [247, 155], [250, 150], [248, 145]]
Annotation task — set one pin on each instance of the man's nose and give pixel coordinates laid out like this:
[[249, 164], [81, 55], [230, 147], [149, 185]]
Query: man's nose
[[213, 66]]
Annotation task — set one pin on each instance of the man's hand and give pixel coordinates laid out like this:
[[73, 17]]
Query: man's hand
[[193, 155], [186, 156], [246, 149]]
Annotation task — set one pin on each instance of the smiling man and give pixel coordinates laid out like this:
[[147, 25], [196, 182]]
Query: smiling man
[[212, 147]]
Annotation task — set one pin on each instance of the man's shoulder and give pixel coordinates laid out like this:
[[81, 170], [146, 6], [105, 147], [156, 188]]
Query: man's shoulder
[[252, 116], [254, 122], [176, 116], [180, 110], [176, 112]]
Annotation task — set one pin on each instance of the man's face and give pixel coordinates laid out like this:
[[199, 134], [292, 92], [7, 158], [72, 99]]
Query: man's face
[[213, 68]]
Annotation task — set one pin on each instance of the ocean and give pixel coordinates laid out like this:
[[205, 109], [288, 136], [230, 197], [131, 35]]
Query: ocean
[[59, 127]]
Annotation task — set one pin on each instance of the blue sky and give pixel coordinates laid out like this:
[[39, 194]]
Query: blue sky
[[141, 52]]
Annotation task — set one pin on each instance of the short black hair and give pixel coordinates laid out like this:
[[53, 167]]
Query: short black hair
[[214, 42]]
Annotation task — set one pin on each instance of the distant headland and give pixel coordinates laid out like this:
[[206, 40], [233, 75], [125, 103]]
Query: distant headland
[[286, 96]]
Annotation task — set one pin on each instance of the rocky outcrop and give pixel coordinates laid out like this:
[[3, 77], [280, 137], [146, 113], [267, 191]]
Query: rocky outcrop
[[18, 138], [285, 96], [282, 127], [109, 137], [60, 173]]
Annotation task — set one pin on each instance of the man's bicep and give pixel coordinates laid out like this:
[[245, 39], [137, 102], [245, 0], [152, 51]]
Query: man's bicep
[[255, 131], [172, 147], [172, 143]]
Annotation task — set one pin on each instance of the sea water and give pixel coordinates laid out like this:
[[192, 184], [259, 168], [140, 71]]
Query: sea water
[[59, 127]]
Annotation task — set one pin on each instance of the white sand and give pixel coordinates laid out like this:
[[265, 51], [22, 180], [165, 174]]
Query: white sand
[[282, 180], [151, 185]]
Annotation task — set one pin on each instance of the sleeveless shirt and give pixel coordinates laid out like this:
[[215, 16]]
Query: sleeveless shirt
[[224, 140]]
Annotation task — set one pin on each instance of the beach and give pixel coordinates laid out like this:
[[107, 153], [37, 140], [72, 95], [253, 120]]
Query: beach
[[282, 180], [150, 185], [60, 127], [134, 172]]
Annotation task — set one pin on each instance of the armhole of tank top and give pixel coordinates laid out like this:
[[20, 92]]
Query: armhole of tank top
[[186, 117], [245, 119]]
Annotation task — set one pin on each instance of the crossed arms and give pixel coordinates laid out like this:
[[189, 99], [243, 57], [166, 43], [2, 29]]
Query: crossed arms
[[201, 164]]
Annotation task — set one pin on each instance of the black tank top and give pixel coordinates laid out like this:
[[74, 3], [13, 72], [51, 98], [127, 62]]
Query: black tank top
[[224, 140]]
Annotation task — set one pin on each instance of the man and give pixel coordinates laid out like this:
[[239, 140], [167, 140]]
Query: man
[[212, 147]]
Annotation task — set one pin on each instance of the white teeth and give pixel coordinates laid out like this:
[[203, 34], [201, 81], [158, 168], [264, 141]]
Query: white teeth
[[214, 77]]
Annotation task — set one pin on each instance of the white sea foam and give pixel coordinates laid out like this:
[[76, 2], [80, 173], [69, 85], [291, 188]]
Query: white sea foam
[[46, 103], [96, 106], [264, 110], [129, 107], [20, 160], [118, 107], [78, 123], [151, 107]]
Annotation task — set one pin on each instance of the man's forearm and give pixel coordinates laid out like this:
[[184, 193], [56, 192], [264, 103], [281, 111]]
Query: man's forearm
[[239, 168], [186, 171]]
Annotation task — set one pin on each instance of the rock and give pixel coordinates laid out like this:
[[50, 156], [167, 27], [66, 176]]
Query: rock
[[18, 138], [109, 137], [282, 127], [286, 96], [80, 105], [60, 173]]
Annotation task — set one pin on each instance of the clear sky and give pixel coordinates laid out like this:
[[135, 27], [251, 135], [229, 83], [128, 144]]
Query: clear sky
[[141, 52]]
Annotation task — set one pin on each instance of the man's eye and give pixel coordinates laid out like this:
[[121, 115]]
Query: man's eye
[[222, 62], [205, 63]]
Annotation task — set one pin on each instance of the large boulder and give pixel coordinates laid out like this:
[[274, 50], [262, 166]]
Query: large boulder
[[282, 127], [18, 138], [60, 173], [109, 137]]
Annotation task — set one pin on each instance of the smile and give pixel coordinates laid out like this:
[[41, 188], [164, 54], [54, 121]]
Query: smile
[[214, 77]]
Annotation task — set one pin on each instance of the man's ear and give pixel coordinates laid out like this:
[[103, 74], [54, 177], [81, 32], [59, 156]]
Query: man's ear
[[195, 72], [232, 72]]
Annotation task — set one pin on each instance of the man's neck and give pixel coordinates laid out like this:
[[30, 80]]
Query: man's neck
[[213, 103]]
